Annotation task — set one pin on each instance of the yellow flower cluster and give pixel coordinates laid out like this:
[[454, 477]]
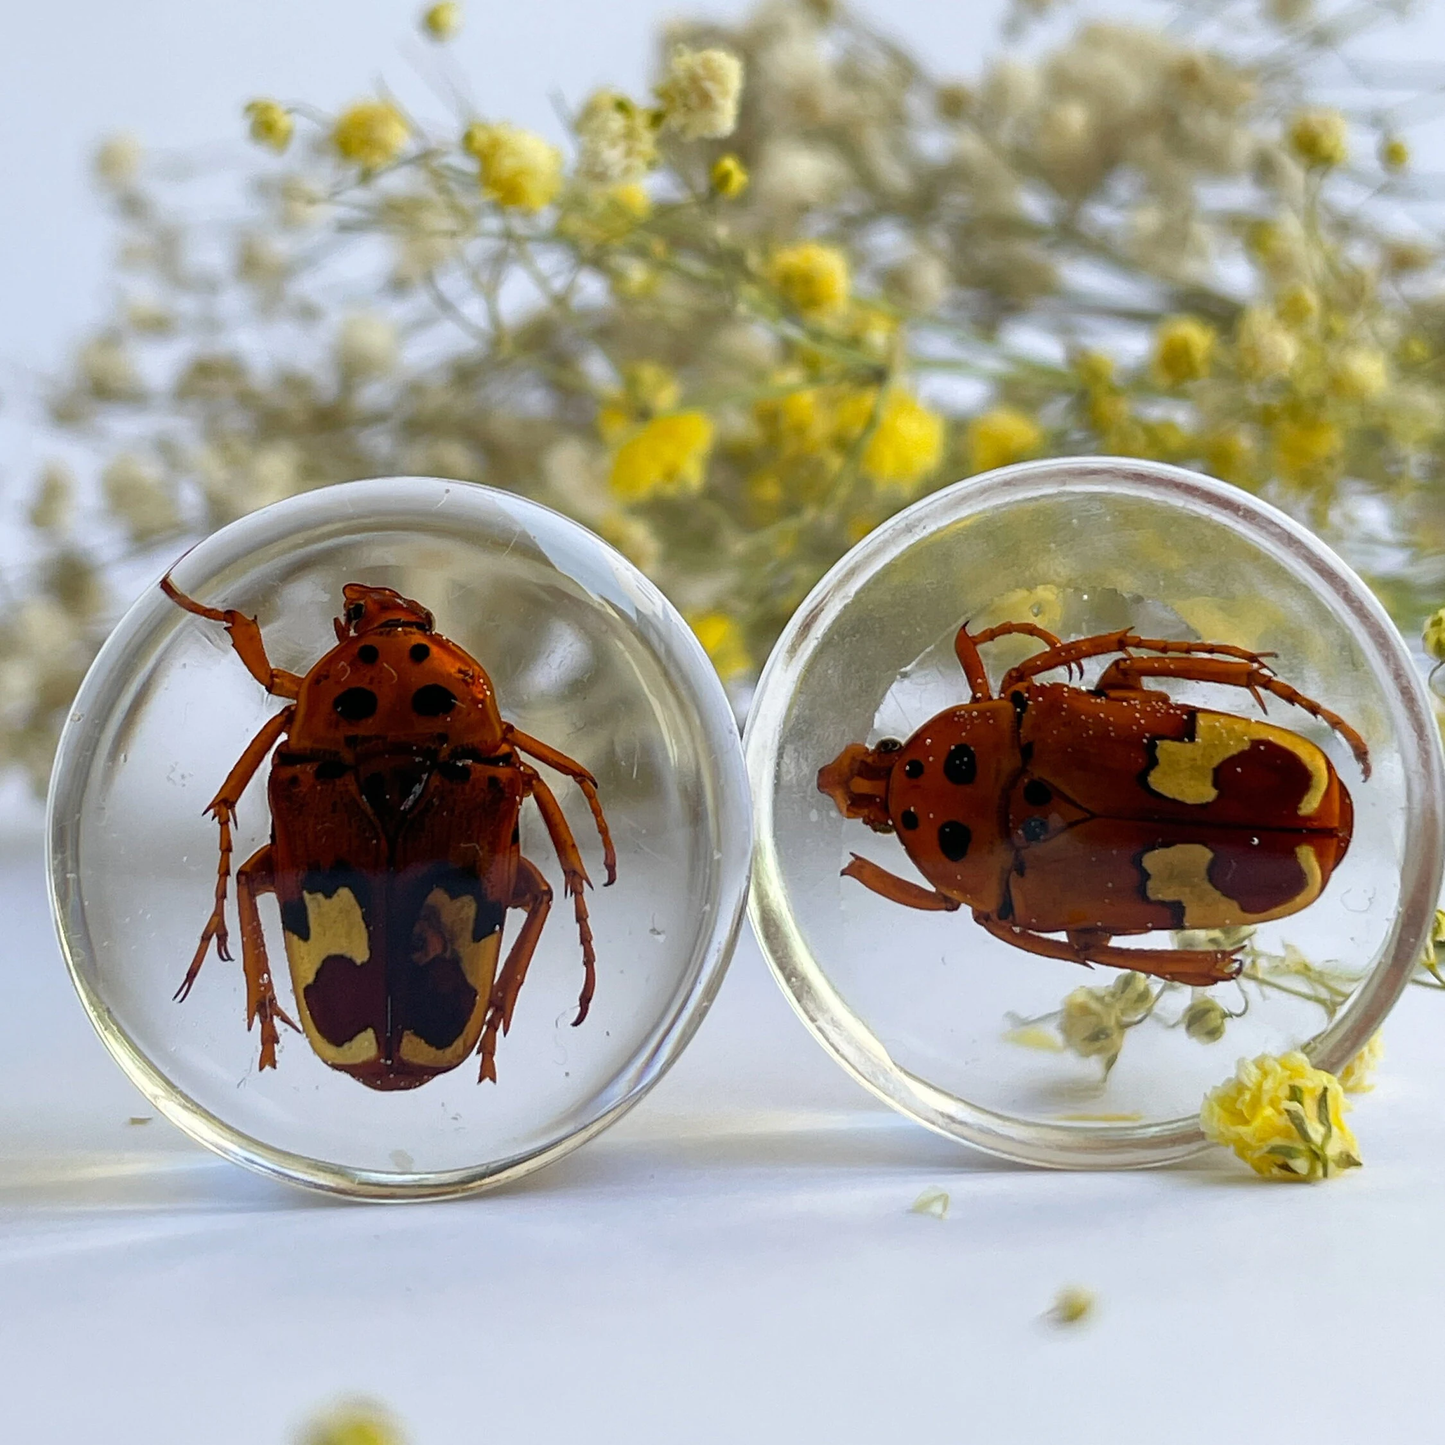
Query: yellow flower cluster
[[667, 457], [1283, 1117], [355, 1422], [906, 444], [729, 177], [1319, 138], [722, 640], [442, 21], [1183, 348], [270, 124], [516, 168], [370, 134], [699, 95], [812, 278], [1358, 1076], [1001, 437]]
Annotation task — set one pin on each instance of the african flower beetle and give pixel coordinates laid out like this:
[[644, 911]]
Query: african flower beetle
[[1105, 811], [395, 795]]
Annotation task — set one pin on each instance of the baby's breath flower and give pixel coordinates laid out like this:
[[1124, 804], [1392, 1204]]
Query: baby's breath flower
[[442, 21], [301, 203], [1358, 1076], [1297, 306], [1071, 1306], [366, 347], [1283, 1117], [699, 94], [667, 457], [812, 278], [271, 124], [1318, 138], [1358, 373], [1133, 996], [517, 168], [107, 370], [722, 640], [354, 1422], [1433, 635], [617, 138], [50, 511], [919, 283], [1394, 153], [1229, 453], [1091, 1026], [1205, 1020], [117, 162], [729, 177], [1001, 437], [138, 495], [1266, 349], [907, 442], [932, 1202], [1183, 347], [370, 134], [600, 215]]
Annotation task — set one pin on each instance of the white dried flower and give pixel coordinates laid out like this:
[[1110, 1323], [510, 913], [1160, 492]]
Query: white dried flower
[[919, 282], [273, 475], [366, 347], [1010, 91], [149, 317], [792, 173], [54, 497], [117, 162], [617, 140], [700, 92], [137, 494], [107, 371], [261, 263], [301, 203]]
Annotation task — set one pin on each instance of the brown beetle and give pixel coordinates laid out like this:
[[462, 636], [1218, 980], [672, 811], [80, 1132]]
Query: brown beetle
[[395, 796], [1105, 811]]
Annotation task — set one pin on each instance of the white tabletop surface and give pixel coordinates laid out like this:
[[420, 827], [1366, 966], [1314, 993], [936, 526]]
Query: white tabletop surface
[[734, 1262]]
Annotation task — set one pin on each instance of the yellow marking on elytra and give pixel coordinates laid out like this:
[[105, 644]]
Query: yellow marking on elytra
[[452, 919], [1179, 873], [1185, 771], [338, 929]]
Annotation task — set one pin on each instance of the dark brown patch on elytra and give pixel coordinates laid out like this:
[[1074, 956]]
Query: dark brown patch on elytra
[[1259, 879]]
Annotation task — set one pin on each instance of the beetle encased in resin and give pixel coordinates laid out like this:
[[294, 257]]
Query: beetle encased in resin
[[1107, 811], [395, 796]]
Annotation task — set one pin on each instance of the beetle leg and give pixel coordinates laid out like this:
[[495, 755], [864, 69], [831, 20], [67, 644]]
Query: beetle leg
[[253, 877], [533, 893], [1023, 629], [245, 634], [223, 808], [965, 648], [584, 780], [1068, 653], [896, 889], [574, 878], [1127, 670], [1198, 967]]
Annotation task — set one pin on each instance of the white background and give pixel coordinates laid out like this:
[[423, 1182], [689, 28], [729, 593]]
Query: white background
[[735, 1262]]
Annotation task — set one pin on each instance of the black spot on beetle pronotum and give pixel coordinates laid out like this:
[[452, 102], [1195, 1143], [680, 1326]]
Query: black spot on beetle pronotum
[[909, 818], [913, 768], [433, 700], [367, 653], [953, 840], [356, 704], [1037, 794], [960, 766], [419, 652]]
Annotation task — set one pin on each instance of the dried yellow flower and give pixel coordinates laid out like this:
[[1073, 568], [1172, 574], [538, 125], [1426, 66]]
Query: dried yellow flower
[[668, 456], [1433, 635], [1358, 1076], [370, 134], [729, 177], [1091, 1026], [117, 162], [597, 216], [1394, 153], [699, 94], [1230, 455], [1297, 306], [271, 124], [50, 511], [812, 278], [648, 389], [517, 169], [366, 347], [617, 138], [907, 442], [354, 1422], [722, 640], [1303, 445], [1318, 138], [1071, 1306], [1001, 437], [1283, 1117], [138, 494], [1183, 348], [1359, 373], [442, 21]]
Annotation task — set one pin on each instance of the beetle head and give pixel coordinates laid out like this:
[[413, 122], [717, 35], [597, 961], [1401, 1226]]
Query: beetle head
[[857, 782], [368, 608]]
